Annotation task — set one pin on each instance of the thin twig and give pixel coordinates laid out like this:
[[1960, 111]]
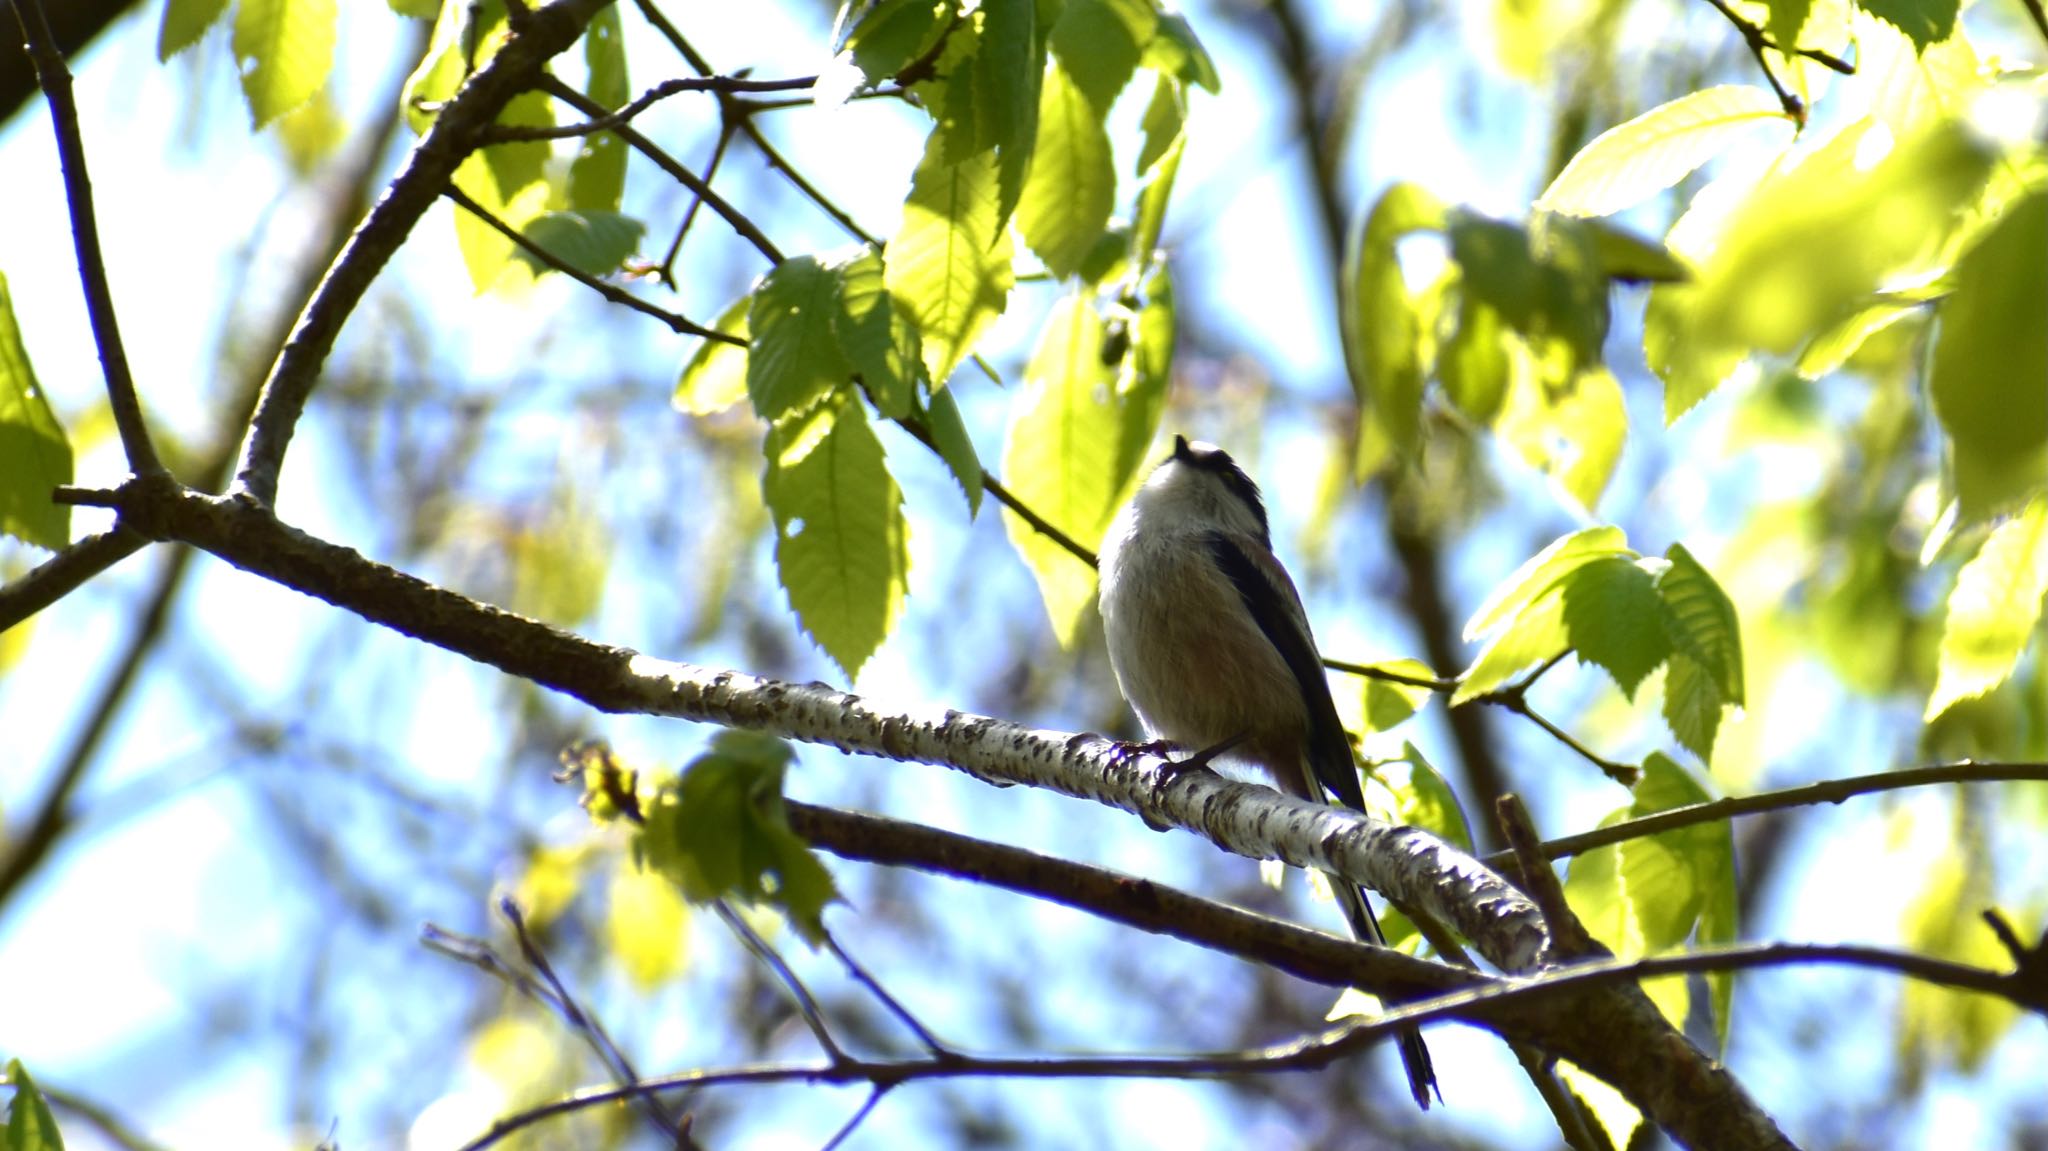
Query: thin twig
[[806, 1003], [847, 1128], [747, 229], [55, 80], [1757, 42], [506, 133], [1826, 791], [611, 292], [667, 271], [861, 976], [58, 576]]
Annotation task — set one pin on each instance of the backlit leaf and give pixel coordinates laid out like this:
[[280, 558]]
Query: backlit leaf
[[1380, 326], [949, 432], [593, 242], [878, 340], [597, 176], [1994, 608], [1072, 184], [30, 1126], [714, 378], [949, 264], [1633, 161], [184, 22], [1098, 44], [35, 454], [283, 49], [795, 359], [1614, 619]]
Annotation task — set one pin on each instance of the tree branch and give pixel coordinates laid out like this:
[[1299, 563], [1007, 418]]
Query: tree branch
[[58, 576], [55, 80], [541, 35]]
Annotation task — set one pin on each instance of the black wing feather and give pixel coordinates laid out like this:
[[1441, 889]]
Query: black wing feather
[[1329, 750]]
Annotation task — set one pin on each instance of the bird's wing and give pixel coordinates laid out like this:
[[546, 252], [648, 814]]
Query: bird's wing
[[1270, 598]]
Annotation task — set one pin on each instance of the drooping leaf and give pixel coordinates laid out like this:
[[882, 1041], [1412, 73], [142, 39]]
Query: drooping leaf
[[1175, 51], [1474, 364], [1379, 323], [1073, 443], [1633, 161], [597, 176], [593, 241], [35, 454], [1098, 44], [284, 49], [795, 359], [1702, 621], [1993, 610], [949, 431], [441, 70], [1990, 372], [1072, 183], [893, 34], [949, 265], [1925, 22], [722, 832], [1614, 619], [1545, 282], [184, 22], [30, 1126], [714, 378], [1007, 75], [879, 341], [842, 543]]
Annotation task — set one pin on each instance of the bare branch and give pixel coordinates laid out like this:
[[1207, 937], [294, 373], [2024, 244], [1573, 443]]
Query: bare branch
[[55, 80], [542, 34], [58, 576]]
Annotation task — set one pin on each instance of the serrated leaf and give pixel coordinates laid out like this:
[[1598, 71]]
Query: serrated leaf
[[1546, 282], [1379, 322], [1702, 621], [1008, 70], [1536, 633], [841, 543], [714, 378], [184, 22], [949, 265], [284, 49], [1540, 572], [1614, 619], [722, 831], [593, 242], [878, 340], [1692, 704], [597, 176], [1787, 19], [1098, 44], [1990, 368], [1072, 183], [30, 1126], [1993, 610], [1635, 160], [1925, 22], [1175, 51], [894, 33], [35, 454], [794, 360], [1073, 442], [949, 432], [1388, 703]]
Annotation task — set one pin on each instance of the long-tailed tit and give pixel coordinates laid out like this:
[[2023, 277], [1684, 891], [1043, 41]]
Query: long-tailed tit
[[1210, 645]]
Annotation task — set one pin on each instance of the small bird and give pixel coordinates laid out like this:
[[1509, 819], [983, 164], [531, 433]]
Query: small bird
[[1213, 651]]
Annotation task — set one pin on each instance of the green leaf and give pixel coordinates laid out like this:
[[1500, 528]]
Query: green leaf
[[1633, 161], [1007, 74], [417, 9], [1693, 704], [1925, 22], [1702, 621], [1175, 51], [440, 71], [841, 542], [1627, 258], [1474, 364], [1990, 374], [1098, 44], [949, 432], [597, 176], [1993, 610], [511, 182], [1546, 283], [1614, 619], [1787, 20], [949, 264], [1542, 571], [795, 359], [1535, 633], [184, 22], [1072, 183], [1388, 703], [1165, 117], [722, 831], [1813, 243], [894, 33], [1829, 350], [1381, 331], [1572, 432], [35, 455], [30, 1126], [1073, 442], [593, 242], [284, 49], [1691, 364], [714, 378], [1421, 797], [1162, 130], [877, 338]]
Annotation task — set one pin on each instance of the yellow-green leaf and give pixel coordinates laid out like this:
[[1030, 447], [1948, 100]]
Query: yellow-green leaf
[[35, 455], [1388, 702], [30, 1126], [597, 177], [795, 359], [1633, 161], [841, 541], [1381, 330], [1993, 610], [284, 49], [1542, 571], [593, 241], [646, 928], [1073, 443], [949, 432], [184, 22], [1072, 183], [714, 378], [1572, 431], [949, 264], [879, 341]]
